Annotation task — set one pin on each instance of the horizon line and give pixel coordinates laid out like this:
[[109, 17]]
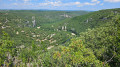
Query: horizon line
[[58, 9]]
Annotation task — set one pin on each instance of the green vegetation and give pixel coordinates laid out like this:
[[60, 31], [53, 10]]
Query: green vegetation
[[60, 38]]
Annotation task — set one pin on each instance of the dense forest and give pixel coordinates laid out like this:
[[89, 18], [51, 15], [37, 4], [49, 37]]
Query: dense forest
[[46, 38]]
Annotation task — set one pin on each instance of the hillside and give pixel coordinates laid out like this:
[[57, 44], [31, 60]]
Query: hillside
[[27, 25], [92, 20], [60, 38]]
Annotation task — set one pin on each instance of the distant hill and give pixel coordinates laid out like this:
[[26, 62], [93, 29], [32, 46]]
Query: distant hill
[[94, 19]]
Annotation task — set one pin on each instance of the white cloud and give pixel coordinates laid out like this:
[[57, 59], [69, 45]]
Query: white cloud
[[94, 0], [15, 4], [89, 3], [112, 0], [56, 3], [22, 4], [26, 0], [102, 4], [59, 3], [77, 3]]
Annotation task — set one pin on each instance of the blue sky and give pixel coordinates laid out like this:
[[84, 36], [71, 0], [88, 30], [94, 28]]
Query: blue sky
[[60, 4]]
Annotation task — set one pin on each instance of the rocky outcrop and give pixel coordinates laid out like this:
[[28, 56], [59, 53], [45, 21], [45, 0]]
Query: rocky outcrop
[[34, 21]]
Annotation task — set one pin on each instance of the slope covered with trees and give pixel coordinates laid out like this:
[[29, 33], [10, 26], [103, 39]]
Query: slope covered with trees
[[92, 20], [90, 40], [27, 25]]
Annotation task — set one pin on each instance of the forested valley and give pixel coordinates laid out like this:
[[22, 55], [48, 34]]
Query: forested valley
[[51, 38]]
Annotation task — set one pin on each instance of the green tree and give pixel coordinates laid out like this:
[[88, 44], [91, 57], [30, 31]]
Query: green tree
[[7, 49]]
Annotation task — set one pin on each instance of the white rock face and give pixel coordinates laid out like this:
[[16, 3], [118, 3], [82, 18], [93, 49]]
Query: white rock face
[[64, 28], [53, 41], [22, 46], [33, 17], [3, 27], [22, 31], [87, 21], [34, 23], [17, 32], [65, 15], [27, 22], [38, 40], [73, 34], [34, 35], [50, 47], [38, 27], [6, 20], [38, 35], [52, 35]]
